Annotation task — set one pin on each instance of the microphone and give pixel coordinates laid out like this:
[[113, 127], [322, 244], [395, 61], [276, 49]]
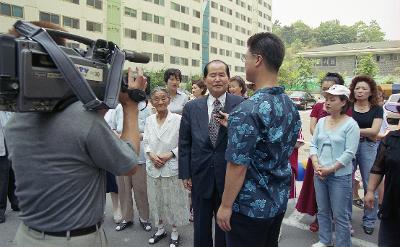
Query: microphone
[[136, 57]]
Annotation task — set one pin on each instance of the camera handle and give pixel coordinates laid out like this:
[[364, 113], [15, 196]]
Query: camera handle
[[72, 76]]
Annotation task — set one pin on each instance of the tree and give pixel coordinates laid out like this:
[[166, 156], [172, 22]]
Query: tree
[[367, 66], [331, 32], [304, 72], [368, 33]]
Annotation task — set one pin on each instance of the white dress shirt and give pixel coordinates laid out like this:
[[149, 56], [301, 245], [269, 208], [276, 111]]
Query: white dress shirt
[[210, 103], [162, 139], [178, 102]]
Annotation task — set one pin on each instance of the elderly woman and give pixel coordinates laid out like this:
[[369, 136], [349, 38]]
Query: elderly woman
[[199, 89], [369, 115], [387, 164], [172, 78], [332, 149], [168, 199], [237, 86]]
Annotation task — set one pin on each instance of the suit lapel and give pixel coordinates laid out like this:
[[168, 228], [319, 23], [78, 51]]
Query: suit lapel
[[223, 130], [160, 131], [202, 118]]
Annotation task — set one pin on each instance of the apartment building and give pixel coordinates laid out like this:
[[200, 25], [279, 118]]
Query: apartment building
[[184, 34]]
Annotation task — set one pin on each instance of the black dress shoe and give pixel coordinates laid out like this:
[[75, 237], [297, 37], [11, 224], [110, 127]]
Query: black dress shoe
[[124, 224], [155, 238], [368, 230], [15, 208]]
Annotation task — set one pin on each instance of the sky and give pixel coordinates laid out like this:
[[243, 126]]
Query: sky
[[313, 12]]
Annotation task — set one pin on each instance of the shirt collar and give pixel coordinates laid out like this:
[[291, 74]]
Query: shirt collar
[[211, 99], [272, 90]]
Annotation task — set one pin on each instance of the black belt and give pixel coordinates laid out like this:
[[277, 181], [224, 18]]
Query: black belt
[[365, 139], [72, 233]]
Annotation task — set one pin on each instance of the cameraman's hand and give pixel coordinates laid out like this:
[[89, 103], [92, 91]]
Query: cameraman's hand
[[139, 83]]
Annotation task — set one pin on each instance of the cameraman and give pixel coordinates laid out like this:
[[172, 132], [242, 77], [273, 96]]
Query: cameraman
[[60, 161]]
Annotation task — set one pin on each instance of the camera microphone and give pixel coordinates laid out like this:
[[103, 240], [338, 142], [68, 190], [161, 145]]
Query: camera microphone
[[136, 57]]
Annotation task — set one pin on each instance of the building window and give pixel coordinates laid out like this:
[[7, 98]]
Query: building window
[[98, 4], [49, 17], [159, 20], [11, 10], [147, 36], [179, 25], [147, 17], [159, 2], [394, 57], [195, 63], [196, 13], [179, 60], [325, 61], [196, 46], [70, 22], [214, 19], [158, 58], [214, 5], [195, 29], [130, 33], [318, 62], [73, 1], [378, 58], [179, 8], [158, 39], [213, 50], [214, 35], [93, 26], [130, 12], [332, 61]]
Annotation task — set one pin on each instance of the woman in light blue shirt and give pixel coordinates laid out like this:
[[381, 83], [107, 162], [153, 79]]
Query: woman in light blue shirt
[[332, 149]]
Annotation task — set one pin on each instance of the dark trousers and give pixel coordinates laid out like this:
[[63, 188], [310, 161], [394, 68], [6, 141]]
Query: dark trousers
[[246, 231], [389, 233], [7, 185], [204, 210]]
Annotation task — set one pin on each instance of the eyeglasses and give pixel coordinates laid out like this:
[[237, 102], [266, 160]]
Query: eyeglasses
[[244, 57]]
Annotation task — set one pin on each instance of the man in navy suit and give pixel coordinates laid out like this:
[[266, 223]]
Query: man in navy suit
[[202, 145]]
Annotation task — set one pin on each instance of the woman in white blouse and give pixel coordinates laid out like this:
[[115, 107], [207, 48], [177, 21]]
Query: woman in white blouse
[[168, 199]]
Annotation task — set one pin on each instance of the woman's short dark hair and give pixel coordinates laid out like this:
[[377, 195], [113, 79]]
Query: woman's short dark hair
[[172, 72], [346, 107], [201, 85], [335, 77], [270, 47], [373, 99], [241, 82]]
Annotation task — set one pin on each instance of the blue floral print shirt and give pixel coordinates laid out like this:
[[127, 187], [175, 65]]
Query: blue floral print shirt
[[262, 132]]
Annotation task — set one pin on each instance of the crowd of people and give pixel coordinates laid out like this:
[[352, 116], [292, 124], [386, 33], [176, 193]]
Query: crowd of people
[[221, 153]]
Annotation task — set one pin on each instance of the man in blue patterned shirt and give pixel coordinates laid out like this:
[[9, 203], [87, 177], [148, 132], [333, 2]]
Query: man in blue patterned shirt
[[262, 132]]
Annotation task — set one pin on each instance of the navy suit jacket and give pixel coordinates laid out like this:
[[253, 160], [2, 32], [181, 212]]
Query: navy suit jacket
[[199, 160]]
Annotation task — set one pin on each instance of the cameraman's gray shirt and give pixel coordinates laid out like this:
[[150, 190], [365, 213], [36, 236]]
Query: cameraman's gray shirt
[[59, 160]]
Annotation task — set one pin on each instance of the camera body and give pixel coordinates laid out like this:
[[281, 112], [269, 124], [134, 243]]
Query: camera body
[[30, 81], [37, 75]]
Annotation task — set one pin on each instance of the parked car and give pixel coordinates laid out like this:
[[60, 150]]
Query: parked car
[[391, 117], [303, 100]]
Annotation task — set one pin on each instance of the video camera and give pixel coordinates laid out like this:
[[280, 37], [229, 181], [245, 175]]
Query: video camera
[[37, 75]]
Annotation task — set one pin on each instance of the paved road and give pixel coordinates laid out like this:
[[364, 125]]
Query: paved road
[[294, 229]]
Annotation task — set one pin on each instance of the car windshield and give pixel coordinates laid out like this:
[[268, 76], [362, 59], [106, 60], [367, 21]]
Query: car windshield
[[297, 94], [394, 98]]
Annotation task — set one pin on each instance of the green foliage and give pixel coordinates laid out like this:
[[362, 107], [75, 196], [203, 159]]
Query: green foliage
[[328, 33], [368, 33], [156, 78], [367, 66]]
